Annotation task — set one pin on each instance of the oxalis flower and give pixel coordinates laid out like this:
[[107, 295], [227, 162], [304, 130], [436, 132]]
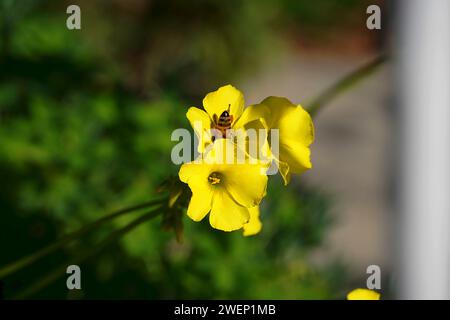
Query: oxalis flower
[[363, 294], [227, 190], [295, 130], [224, 115]]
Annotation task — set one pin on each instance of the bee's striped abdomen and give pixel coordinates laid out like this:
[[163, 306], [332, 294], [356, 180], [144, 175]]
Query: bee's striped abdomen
[[223, 123]]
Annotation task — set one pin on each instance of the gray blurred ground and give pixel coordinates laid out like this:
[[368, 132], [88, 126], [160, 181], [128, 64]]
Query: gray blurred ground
[[350, 154]]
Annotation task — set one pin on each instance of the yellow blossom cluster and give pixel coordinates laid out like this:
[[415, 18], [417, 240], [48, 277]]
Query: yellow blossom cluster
[[229, 177]]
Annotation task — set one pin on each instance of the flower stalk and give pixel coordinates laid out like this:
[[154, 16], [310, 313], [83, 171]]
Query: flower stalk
[[65, 240], [110, 239], [345, 83]]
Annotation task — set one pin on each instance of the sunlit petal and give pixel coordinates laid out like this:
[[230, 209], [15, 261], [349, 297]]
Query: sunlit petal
[[254, 224], [296, 133], [252, 113], [200, 203], [201, 123], [246, 183], [226, 214], [220, 100]]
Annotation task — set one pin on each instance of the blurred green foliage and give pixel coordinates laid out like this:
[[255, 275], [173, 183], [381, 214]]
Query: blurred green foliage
[[85, 124]]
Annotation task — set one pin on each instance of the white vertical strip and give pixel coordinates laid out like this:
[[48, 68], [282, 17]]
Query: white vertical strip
[[423, 54]]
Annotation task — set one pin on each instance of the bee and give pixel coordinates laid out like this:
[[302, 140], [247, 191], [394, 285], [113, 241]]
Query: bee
[[223, 123]]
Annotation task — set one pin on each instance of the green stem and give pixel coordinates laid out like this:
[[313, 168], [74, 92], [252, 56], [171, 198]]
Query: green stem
[[26, 261], [110, 239], [345, 83]]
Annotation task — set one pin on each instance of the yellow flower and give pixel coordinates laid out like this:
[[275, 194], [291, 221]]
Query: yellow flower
[[224, 190], [296, 133], [363, 294], [224, 111], [254, 225]]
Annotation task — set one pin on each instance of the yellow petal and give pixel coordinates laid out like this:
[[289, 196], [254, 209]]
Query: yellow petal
[[363, 294], [196, 114], [252, 113], [296, 133], [193, 172], [226, 214], [296, 155], [201, 123], [196, 176], [220, 100], [254, 225], [293, 121], [246, 183], [200, 203], [255, 142], [221, 152]]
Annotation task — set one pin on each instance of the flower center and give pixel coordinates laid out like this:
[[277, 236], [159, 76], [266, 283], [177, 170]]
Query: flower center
[[214, 178]]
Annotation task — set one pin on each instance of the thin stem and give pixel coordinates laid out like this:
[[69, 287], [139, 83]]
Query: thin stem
[[26, 261], [345, 83], [110, 239]]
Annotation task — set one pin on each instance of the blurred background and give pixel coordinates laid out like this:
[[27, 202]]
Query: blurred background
[[85, 123]]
